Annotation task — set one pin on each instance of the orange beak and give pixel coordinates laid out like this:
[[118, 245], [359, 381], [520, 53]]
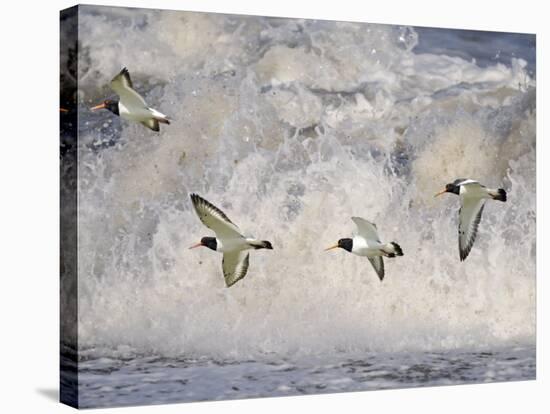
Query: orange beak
[[441, 192], [331, 247], [100, 106], [199, 244], [63, 110]]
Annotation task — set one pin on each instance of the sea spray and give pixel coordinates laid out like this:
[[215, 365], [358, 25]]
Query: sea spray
[[292, 127]]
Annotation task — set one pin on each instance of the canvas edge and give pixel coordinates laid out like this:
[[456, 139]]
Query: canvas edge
[[68, 271]]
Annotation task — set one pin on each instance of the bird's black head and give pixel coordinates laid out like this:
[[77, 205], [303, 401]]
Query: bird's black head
[[346, 244], [209, 242], [450, 188], [267, 245], [109, 104]]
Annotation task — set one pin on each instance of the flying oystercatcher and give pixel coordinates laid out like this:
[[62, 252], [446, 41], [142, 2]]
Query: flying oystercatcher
[[367, 244], [131, 105], [229, 240], [472, 202]]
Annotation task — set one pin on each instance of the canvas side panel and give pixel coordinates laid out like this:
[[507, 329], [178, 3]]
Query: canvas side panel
[[68, 206]]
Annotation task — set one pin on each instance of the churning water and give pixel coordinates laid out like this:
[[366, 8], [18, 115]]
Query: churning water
[[292, 127]]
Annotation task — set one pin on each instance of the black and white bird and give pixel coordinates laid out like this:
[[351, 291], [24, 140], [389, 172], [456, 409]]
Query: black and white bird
[[229, 240], [472, 202], [367, 243], [131, 105]]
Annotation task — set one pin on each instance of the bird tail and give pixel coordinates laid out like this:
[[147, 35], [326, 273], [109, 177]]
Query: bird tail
[[261, 244], [392, 249], [499, 194], [163, 120]]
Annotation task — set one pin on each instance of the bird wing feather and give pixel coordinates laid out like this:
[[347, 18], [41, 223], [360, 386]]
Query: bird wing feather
[[472, 185], [235, 266], [215, 219], [151, 124], [469, 217], [378, 263], [122, 85], [366, 229], [464, 181]]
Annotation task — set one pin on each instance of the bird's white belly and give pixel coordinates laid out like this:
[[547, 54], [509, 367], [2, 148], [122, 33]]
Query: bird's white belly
[[133, 114], [232, 245], [366, 248], [368, 252], [474, 191]]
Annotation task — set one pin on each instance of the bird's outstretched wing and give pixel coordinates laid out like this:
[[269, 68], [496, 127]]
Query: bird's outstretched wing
[[122, 85], [366, 229], [465, 181], [151, 124], [378, 264], [469, 217], [215, 219], [235, 266]]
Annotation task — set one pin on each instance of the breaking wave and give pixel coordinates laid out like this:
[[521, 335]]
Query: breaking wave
[[292, 127]]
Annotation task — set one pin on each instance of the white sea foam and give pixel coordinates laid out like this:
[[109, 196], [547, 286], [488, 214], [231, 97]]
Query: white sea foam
[[292, 127]]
